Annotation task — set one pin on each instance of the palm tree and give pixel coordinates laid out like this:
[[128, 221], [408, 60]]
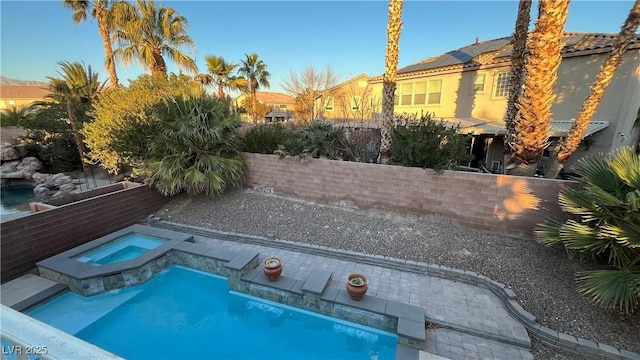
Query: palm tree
[[198, 147], [569, 145], [109, 14], [394, 26], [14, 116], [256, 74], [152, 33], [220, 74], [531, 135], [518, 59], [77, 84]]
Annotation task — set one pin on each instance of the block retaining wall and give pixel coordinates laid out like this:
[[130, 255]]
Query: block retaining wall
[[503, 204]]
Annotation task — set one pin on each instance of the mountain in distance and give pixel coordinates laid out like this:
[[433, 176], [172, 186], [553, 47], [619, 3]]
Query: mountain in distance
[[9, 81]]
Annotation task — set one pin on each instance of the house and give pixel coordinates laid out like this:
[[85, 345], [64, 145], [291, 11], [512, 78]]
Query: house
[[352, 99], [21, 95], [282, 105], [468, 88]]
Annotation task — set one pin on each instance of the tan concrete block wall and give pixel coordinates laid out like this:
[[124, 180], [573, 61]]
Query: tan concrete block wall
[[503, 204]]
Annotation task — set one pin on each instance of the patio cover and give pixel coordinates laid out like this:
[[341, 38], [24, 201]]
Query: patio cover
[[559, 128]]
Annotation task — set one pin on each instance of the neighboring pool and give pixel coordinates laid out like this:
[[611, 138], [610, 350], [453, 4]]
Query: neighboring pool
[[127, 247], [15, 199], [183, 313]]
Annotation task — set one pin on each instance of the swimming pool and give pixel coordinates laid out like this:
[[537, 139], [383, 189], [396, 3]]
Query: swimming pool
[[15, 199], [184, 313], [127, 247]]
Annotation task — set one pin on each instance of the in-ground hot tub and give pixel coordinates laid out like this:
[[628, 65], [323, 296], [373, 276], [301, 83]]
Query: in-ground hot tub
[[124, 248], [123, 258]]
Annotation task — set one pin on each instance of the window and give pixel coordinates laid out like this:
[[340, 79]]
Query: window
[[501, 88], [421, 93], [435, 92], [355, 103], [330, 104], [405, 99], [283, 106], [478, 83]]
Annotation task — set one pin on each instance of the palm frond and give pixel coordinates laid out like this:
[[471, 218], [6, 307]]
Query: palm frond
[[612, 288]]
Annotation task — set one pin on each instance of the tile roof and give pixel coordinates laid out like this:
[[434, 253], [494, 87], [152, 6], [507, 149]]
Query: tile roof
[[274, 97], [459, 56], [576, 44], [14, 92]]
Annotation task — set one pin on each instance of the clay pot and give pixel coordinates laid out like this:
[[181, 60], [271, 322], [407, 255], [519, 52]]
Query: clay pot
[[272, 268], [357, 286]]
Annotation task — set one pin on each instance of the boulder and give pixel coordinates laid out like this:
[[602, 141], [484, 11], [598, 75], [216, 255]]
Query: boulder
[[40, 178], [9, 153], [9, 167]]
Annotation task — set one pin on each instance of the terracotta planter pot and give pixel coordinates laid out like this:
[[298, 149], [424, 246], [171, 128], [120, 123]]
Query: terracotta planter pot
[[272, 268], [357, 286]]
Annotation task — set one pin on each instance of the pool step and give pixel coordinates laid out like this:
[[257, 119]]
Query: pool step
[[28, 290]]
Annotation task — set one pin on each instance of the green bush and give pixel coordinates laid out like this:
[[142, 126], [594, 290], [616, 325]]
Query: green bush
[[427, 143], [605, 225], [264, 139], [317, 139], [197, 148], [122, 119]]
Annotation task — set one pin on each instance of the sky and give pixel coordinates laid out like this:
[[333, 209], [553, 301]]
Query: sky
[[349, 36]]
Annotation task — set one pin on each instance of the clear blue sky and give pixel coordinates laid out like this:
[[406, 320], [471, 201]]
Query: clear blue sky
[[287, 35]]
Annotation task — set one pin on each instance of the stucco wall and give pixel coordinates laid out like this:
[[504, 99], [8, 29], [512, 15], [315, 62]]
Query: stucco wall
[[505, 204]]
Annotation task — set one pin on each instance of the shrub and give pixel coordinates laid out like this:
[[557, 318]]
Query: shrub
[[317, 139], [264, 139], [605, 225], [123, 122], [197, 149], [427, 143]]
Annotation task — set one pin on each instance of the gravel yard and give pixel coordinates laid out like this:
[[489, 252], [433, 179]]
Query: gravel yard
[[543, 278]]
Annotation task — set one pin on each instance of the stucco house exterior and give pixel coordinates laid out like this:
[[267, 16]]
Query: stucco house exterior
[[282, 105], [352, 99], [21, 95], [468, 87]]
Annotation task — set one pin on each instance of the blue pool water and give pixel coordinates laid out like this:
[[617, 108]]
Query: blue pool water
[[124, 248], [183, 313], [15, 199]]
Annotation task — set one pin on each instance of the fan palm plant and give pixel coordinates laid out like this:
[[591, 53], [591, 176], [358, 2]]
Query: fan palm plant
[[533, 120], [152, 33], [605, 224], [109, 14], [77, 84], [220, 74], [13, 116], [255, 72], [394, 26], [198, 147]]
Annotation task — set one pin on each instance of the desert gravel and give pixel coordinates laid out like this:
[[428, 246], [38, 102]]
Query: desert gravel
[[542, 278]]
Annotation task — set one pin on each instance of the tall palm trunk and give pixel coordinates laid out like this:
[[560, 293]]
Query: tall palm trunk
[[158, 67], [254, 105], [569, 145], [394, 26], [105, 34], [220, 90], [534, 108], [75, 127], [518, 60]]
